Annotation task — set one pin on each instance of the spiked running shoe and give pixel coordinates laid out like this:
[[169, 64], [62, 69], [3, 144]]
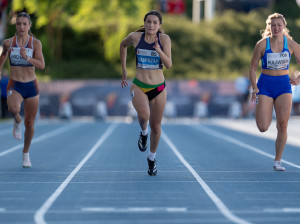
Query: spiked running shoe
[[277, 166], [142, 143], [26, 160], [17, 132], [152, 171]]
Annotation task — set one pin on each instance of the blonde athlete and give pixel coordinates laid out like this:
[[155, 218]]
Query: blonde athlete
[[274, 84], [153, 51], [25, 54]]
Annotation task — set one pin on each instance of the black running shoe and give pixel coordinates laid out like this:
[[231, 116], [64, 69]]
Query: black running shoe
[[142, 143], [152, 171]]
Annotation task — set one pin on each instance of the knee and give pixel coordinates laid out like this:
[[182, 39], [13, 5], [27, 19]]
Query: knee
[[282, 126], [29, 125], [144, 116], [263, 128], [13, 109], [156, 128]]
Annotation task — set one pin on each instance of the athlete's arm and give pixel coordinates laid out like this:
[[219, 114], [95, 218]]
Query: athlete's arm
[[4, 53], [257, 53], [165, 55], [38, 59], [296, 50], [129, 40]]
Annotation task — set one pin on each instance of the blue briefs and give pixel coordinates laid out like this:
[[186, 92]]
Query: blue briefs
[[26, 89], [273, 86]]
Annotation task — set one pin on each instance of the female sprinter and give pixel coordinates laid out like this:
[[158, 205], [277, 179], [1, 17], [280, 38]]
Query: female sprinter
[[153, 51], [25, 54], [274, 85]]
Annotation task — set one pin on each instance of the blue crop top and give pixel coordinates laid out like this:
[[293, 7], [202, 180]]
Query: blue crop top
[[276, 61], [146, 56]]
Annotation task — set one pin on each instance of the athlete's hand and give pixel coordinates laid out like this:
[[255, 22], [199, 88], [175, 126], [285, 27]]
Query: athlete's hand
[[294, 81], [23, 53], [253, 94], [124, 83], [156, 45], [124, 79]]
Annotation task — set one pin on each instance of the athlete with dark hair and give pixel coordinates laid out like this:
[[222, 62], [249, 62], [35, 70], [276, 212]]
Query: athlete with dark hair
[[153, 51], [25, 54]]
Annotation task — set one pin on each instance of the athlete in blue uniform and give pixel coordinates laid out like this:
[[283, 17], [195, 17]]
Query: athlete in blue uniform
[[25, 54], [274, 84], [153, 51]]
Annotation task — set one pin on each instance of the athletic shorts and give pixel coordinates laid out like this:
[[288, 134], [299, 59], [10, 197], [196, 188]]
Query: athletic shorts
[[150, 90], [273, 86], [26, 89]]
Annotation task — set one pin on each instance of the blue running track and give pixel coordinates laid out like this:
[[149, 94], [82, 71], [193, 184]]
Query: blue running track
[[209, 172]]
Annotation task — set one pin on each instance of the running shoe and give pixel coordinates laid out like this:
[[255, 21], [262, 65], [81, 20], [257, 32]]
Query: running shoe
[[152, 171], [277, 166], [142, 143], [17, 132], [26, 160]]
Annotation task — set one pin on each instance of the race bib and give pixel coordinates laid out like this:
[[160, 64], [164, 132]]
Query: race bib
[[147, 59], [17, 60], [278, 61]]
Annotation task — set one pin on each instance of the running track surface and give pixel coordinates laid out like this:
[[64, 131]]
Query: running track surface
[[213, 171]]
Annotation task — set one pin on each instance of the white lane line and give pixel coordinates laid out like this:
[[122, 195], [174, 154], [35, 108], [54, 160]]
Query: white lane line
[[284, 210], [10, 129], [216, 200], [39, 215], [134, 209], [249, 127], [40, 138], [143, 171], [268, 192], [148, 181], [2, 210], [105, 209], [241, 144], [176, 209]]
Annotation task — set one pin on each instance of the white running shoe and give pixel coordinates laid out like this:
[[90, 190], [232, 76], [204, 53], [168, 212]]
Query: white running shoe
[[17, 131], [26, 160], [277, 166]]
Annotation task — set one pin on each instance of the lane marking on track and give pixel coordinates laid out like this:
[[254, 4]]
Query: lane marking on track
[[40, 138], [134, 209], [147, 181], [249, 127], [40, 213], [216, 200], [241, 144], [284, 210]]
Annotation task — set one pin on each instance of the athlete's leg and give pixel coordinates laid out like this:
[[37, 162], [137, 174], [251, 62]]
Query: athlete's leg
[[157, 106], [283, 106], [141, 104], [264, 112], [31, 106], [14, 100]]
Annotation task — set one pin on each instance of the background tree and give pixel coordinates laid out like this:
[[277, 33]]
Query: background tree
[[111, 18], [51, 14], [81, 38]]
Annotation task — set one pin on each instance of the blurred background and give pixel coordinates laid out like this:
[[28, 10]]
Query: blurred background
[[212, 45]]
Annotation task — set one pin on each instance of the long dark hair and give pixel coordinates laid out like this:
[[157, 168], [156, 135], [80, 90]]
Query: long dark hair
[[26, 15], [152, 12]]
